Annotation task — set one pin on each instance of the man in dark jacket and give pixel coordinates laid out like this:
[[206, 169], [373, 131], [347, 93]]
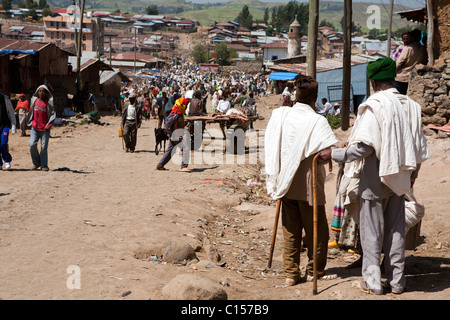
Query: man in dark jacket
[[196, 106], [131, 121]]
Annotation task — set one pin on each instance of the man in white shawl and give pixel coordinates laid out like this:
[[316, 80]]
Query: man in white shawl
[[294, 135], [386, 146]]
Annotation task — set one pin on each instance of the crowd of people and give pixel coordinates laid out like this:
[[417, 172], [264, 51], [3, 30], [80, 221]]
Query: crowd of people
[[378, 165], [177, 91]]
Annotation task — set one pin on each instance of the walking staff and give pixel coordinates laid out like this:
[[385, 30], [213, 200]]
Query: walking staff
[[316, 219], [274, 235]]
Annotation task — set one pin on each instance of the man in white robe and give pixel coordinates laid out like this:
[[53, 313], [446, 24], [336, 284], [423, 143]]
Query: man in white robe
[[387, 146], [294, 135]]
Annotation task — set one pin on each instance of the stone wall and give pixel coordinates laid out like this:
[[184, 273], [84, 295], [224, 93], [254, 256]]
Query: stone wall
[[429, 86]]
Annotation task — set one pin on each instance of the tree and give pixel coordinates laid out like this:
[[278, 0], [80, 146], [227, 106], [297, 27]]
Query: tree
[[223, 55], [355, 28], [245, 19], [374, 33], [30, 4], [325, 23], [6, 5], [199, 53], [284, 15], [46, 11], [152, 9], [266, 15], [42, 4]]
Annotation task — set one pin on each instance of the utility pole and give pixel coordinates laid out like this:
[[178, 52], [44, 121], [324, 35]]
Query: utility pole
[[110, 48], [135, 50], [389, 33], [313, 25], [347, 65], [80, 37], [430, 33]]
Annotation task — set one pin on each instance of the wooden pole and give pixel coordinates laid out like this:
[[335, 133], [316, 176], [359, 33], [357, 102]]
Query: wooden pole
[[313, 25], [316, 218], [79, 51], [347, 66], [110, 49], [135, 51], [315, 222], [274, 234], [389, 31], [430, 33]]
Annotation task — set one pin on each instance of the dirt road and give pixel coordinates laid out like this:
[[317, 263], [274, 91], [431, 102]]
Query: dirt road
[[104, 213]]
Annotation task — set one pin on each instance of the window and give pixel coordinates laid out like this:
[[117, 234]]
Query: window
[[63, 24], [52, 35], [274, 57], [72, 36], [64, 36], [52, 23], [84, 47], [84, 37], [57, 35]]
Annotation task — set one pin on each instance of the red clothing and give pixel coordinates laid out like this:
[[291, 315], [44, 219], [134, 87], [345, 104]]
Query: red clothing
[[147, 104], [40, 117], [23, 105]]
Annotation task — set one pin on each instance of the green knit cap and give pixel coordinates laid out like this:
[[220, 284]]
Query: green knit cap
[[381, 69]]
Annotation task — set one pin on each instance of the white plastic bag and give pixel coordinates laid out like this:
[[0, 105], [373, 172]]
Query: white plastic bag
[[414, 211]]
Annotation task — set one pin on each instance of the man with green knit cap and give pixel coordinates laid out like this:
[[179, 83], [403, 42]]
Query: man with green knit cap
[[385, 150]]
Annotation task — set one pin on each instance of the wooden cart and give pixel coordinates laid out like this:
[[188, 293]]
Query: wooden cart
[[229, 124]]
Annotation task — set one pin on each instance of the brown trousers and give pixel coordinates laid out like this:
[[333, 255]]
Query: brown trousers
[[130, 134], [298, 215]]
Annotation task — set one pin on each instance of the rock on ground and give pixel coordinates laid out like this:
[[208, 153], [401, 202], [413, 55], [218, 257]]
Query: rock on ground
[[178, 251], [192, 287]]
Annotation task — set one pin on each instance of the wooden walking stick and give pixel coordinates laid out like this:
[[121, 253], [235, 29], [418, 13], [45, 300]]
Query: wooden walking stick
[[315, 219], [274, 235]]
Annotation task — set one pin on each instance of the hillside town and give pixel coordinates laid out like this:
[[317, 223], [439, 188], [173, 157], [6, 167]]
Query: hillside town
[[150, 157]]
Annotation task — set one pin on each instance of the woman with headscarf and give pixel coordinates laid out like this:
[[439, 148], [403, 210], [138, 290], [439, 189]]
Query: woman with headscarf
[[174, 126]]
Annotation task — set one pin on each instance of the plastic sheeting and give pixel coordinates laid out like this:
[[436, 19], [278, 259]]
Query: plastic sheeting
[[282, 75], [5, 52]]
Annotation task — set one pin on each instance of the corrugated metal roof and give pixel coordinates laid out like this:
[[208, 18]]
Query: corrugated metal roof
[[11, 44], [321, 65]]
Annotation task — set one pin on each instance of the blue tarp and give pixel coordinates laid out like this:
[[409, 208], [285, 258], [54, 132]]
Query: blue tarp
[[17, 52], [283, 75]]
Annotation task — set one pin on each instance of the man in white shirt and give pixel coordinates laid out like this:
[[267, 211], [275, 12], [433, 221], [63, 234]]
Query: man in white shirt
[[224, 105], [327, 107], [336, 110], [131, 121]]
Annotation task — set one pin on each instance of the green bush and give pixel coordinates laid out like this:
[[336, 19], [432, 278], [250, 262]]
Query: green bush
[[334, 121]]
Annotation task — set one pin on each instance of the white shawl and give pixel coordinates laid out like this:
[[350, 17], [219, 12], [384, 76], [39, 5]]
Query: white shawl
[[292, 135], [394, 131]]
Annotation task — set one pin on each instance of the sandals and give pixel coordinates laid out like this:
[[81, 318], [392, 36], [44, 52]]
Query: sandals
[[310, 278], [291, 282]]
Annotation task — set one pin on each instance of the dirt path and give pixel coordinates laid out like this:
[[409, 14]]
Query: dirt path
[[104, 212]]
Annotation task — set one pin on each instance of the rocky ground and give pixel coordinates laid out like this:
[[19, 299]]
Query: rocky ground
[[97, 225]]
